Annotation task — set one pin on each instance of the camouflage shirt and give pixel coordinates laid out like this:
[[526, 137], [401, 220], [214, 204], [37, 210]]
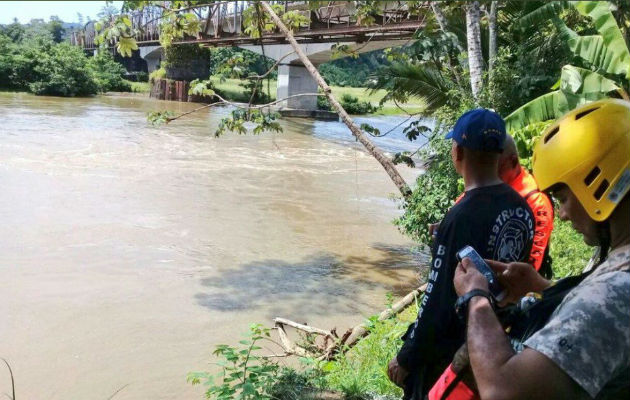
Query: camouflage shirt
[[588, 335]]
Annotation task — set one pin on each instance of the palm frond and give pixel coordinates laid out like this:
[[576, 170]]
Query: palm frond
[[543, 14], [404, 80]]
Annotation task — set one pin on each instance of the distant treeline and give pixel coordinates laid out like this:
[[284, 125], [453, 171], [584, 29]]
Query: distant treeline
[[36, 57]]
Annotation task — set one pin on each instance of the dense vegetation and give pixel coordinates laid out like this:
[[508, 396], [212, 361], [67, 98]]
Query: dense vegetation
[[35, 58], [351, 71]]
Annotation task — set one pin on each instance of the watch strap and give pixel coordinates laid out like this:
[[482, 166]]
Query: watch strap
[[461, 306]]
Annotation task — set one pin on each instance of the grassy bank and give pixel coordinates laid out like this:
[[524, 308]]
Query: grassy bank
[[233, 89], [139, 87], [360, 373]]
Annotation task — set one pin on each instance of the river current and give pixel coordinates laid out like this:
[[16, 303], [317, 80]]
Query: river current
[[128, 251]]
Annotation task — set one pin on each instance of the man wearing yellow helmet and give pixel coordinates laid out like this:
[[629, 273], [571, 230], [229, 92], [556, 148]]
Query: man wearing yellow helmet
[[573, 341]]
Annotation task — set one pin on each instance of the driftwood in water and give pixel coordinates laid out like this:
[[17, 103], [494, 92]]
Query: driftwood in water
[[332, 344]]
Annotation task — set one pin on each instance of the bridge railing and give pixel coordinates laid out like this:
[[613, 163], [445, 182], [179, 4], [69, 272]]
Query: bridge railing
[[225, 19]]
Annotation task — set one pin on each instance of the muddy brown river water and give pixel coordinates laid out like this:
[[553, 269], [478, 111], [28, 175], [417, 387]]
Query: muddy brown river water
[[128, 252]]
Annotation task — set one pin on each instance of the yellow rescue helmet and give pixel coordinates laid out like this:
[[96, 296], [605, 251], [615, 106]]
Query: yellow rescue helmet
[[588, 149]]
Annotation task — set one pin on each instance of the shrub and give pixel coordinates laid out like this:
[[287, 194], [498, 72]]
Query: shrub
[[142, 76], [436, 189], [350, 103], [107, 73], [159, 73], [63, 71], [245, 374], [353, 106], [18, 61], [322, 103]]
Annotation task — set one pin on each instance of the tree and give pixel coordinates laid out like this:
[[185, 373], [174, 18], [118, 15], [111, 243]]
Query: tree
[[492, 33], [475, 57], [14, 30], [107, 12], [63, 71], [107, 73], [385, 162], [55, 26], [606, 57]]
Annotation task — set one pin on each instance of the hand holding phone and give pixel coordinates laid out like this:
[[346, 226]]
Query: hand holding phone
[[493, 284]]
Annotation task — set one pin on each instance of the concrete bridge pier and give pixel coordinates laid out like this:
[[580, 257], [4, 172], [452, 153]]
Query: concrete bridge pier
[[295, 79], [153, 55]]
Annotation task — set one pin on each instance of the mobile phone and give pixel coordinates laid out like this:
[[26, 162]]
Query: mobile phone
[[495, 288]]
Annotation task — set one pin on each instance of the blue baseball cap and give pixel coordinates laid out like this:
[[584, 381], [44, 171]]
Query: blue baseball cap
[[479, 129]]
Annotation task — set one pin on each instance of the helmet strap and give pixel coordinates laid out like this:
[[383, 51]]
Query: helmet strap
[[603, 236]]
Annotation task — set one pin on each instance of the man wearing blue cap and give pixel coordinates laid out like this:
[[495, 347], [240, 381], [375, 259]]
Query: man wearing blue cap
[[492, 218]]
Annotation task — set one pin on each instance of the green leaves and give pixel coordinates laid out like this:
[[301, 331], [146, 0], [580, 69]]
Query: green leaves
[[200, 87], [244, 374], [369, 129], [157, 118], [608, 51], [404, 157], [176, 25], [119, 31], [241, 121], [126, 46], [577, 86], [585, 82], [342, 50], [257, 22], [415, 129], [542, 14], [404, 80], [295, 20]]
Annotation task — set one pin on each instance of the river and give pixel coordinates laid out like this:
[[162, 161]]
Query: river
[[129, 251]]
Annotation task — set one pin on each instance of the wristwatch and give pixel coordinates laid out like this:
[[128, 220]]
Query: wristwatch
[[461, 305]]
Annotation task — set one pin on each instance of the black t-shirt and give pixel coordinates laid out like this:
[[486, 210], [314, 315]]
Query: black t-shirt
[[498, 223]]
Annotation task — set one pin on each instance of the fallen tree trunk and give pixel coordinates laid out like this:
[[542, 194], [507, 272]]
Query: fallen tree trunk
[[332, 345], [387, 164], [360, 331]]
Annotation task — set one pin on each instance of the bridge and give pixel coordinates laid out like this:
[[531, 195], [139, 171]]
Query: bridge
[[331, 23]]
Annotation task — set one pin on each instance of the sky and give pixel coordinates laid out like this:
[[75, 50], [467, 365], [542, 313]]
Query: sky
[[67, 11]]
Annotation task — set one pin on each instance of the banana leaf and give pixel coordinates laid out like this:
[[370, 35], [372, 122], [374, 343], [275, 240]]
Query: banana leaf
[[577, 86], [608, 50]]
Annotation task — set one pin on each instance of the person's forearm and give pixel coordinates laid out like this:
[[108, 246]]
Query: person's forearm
[[488, 347]]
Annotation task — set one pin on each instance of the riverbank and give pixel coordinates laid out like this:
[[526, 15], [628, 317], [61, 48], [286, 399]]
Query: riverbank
[[234, 91]]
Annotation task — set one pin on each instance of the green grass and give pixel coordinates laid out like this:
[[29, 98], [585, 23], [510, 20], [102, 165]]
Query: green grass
[[363, 369], [568, 250], [140, 87], [232, 89]]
